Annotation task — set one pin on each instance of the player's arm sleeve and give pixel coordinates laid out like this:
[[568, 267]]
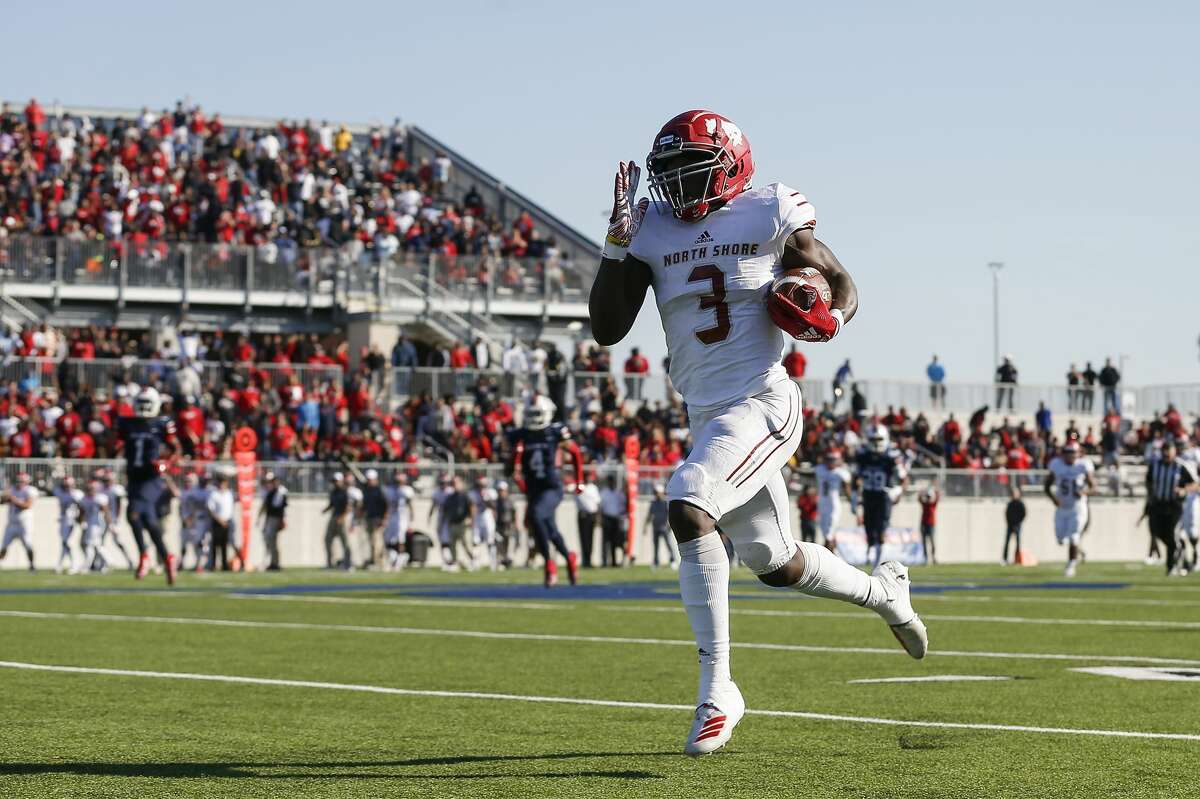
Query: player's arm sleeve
[[576, 459], [517, 472], [795, 212]]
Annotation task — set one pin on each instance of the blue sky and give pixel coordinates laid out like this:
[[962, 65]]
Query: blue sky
[[1058, 137]]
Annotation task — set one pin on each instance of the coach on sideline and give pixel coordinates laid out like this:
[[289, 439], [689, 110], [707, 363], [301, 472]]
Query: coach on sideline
[[1167, 481]]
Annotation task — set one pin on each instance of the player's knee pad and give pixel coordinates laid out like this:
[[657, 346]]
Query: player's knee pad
[[764, 557], [691, 483]]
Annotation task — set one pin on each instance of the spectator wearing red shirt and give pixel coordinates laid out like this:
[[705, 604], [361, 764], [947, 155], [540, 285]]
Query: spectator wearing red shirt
[[636, 369], [68, 423], [244, 352], [460, 356], [282, 438], [248, 400], [807, 503], [795, 363], [189, 422], [605, 436], [35, 117], [81, 445], [951, 435], [359, 399], [20, 443], [929, 501]]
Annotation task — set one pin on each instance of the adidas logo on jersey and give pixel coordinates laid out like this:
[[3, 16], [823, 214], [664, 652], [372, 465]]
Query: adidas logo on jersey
[[704, 238]]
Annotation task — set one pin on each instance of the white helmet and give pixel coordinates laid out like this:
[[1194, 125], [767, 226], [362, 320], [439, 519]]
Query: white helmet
[[148, 403], [878, 439], [540, 413]]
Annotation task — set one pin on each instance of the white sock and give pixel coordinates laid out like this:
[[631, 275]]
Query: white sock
[[704, 588], [826, 575]]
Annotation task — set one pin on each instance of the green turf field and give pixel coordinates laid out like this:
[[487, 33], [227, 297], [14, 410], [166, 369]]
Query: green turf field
[[491, 733]]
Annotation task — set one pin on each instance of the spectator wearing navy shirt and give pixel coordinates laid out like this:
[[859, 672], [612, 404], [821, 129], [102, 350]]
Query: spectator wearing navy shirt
[[1110, 378], [1006, 379], [1044, 420]]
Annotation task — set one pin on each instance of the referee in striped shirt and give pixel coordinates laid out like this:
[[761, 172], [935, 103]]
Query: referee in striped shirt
[[1167, 482]]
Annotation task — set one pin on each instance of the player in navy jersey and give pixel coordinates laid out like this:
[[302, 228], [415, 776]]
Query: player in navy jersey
[[879, 480], [536, 449], [146, 437]]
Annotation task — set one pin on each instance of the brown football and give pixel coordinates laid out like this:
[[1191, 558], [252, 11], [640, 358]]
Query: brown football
[[788, 283]]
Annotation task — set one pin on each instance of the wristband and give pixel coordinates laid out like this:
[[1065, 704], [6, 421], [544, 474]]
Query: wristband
[[613, 251], [836, 313]]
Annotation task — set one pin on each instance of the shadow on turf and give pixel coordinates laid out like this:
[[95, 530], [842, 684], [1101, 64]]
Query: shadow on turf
[[244, 770]]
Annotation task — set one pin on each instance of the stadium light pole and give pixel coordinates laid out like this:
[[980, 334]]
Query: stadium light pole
[[995, 266]]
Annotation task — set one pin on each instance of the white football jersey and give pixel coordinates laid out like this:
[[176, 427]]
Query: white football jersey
[[830, 482], [68, 503], [485, 501], [710, 280], [18, 516], [94, 508], [116, 496], [1191, 461], [1069, 481]]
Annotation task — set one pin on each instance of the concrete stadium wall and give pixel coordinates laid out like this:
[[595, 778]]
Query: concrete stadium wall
[[968, 531]]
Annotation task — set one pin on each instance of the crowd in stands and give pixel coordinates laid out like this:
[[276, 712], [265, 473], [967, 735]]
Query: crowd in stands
[[220, 381], [184, 175]]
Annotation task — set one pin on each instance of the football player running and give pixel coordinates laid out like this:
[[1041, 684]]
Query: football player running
[[711, 246], [880, 479], [20, 499], [144, 438], [68, 496], [536, 448], [833, 482], [1068, 484]]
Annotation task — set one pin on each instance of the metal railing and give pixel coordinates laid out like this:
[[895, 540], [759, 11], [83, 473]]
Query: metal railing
[[965, 397], [175, 375], [316, 477], [464, 384], [353, 274]]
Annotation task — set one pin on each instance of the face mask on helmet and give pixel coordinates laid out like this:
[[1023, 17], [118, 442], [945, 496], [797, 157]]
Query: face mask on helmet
[[878, 442], [682, 177], [540, 414], [147, 404]]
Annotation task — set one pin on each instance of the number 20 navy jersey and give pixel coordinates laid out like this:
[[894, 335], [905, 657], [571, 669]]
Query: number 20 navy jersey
[[877, 470], [143, 440], [539, 457]]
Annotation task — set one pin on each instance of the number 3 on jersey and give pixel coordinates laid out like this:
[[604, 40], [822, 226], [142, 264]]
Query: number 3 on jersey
[[714, 301]]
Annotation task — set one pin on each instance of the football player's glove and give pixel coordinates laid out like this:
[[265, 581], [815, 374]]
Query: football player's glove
[[626, 217], [814, 323]]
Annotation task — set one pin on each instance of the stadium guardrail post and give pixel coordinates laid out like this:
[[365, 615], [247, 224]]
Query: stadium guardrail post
[[381, 284], [122, 276], [249, 279], [430, 266], [58, 271], [186, 283]]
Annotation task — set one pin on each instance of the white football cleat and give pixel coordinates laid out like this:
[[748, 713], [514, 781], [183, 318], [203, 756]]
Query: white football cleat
[[898, 610], [1070, 570], [715, 720]]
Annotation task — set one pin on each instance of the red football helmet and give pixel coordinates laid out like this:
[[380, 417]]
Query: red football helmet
[[699, 161]]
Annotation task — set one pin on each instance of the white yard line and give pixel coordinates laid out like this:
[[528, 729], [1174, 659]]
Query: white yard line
[[932, 678], [958, 596], [433, 601], [565, 700], [866, 615], [598, 639], [414, 602]]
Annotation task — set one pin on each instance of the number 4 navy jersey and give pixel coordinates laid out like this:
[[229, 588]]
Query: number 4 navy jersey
[[539, 457], [878, 471], [143, 440]]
